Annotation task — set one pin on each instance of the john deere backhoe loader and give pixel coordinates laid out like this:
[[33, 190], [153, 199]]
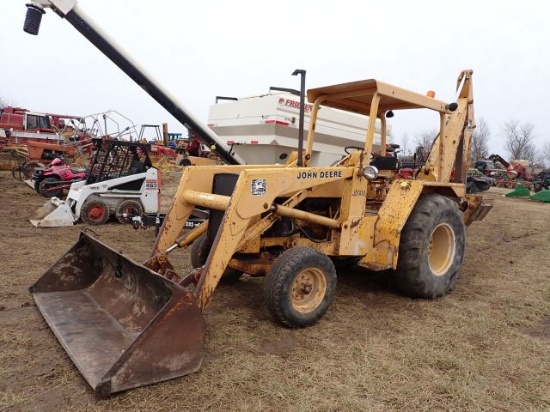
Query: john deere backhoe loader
[[125, 325]]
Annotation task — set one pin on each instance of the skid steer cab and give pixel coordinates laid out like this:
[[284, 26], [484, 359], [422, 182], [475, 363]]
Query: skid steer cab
[[120, 182]]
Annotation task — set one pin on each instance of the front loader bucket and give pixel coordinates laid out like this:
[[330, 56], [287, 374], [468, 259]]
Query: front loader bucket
[[122, 324], [54, 213]]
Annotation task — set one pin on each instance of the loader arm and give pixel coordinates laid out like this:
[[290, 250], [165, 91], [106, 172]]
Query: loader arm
[[254, 194], [69, 10], [246, 204], [194, 189]]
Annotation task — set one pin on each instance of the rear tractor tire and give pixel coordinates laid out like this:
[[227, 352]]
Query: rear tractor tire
[[300, 286], [432, 248], [199, 251], [127, 209], [95, 212]]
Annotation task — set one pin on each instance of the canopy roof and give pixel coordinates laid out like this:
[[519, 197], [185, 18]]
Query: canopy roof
[[357, 97]]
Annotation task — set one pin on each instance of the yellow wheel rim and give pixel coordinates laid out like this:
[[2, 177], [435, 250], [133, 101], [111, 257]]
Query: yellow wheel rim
[[308, 290], [442, 249]]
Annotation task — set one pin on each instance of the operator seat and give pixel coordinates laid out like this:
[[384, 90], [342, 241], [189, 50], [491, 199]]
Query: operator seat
[[385, 163]]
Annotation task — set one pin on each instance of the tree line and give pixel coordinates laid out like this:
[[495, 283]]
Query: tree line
[[519, 143]]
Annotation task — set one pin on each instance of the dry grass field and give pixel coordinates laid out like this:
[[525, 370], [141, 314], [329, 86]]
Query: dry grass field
[[483, 347]]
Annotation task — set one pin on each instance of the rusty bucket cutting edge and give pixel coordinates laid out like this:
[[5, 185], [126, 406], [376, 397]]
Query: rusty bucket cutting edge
[[123, 325]]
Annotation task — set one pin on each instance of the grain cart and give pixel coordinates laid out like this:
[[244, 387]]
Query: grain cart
[[126, 324]]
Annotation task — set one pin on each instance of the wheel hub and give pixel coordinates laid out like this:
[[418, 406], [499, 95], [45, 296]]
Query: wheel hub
[[96, 212], [442, 249], [308, 290]]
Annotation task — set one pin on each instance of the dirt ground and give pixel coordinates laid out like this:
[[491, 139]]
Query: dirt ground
[[483, 347]]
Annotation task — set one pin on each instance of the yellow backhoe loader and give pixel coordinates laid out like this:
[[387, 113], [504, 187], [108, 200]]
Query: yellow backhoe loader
[[126, 325]]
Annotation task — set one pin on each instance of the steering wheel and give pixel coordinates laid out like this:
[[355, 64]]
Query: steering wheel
[[348, 149]]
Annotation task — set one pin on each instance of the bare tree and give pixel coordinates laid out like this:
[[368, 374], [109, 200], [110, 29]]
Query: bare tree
[[5, 102], [519, 140], [546, 153], [424, 142], [405, 145], [480, 138]]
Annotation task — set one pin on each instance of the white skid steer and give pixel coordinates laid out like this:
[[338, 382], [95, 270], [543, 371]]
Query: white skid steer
[[120, 182]]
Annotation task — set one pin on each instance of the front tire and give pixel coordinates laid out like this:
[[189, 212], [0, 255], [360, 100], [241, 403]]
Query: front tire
[[95, 212], [300, 286], [431, 251]]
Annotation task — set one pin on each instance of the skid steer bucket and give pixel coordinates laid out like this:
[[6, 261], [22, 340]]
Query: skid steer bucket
[[122, 324], [54, 213]]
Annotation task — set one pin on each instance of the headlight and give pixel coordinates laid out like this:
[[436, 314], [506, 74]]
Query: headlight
[[370, 172]]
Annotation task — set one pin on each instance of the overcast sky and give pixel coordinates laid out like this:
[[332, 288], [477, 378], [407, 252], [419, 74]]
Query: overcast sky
[[201, 49]]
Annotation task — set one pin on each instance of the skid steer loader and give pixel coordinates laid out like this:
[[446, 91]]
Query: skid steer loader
[[126, 325], [120, 181]]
